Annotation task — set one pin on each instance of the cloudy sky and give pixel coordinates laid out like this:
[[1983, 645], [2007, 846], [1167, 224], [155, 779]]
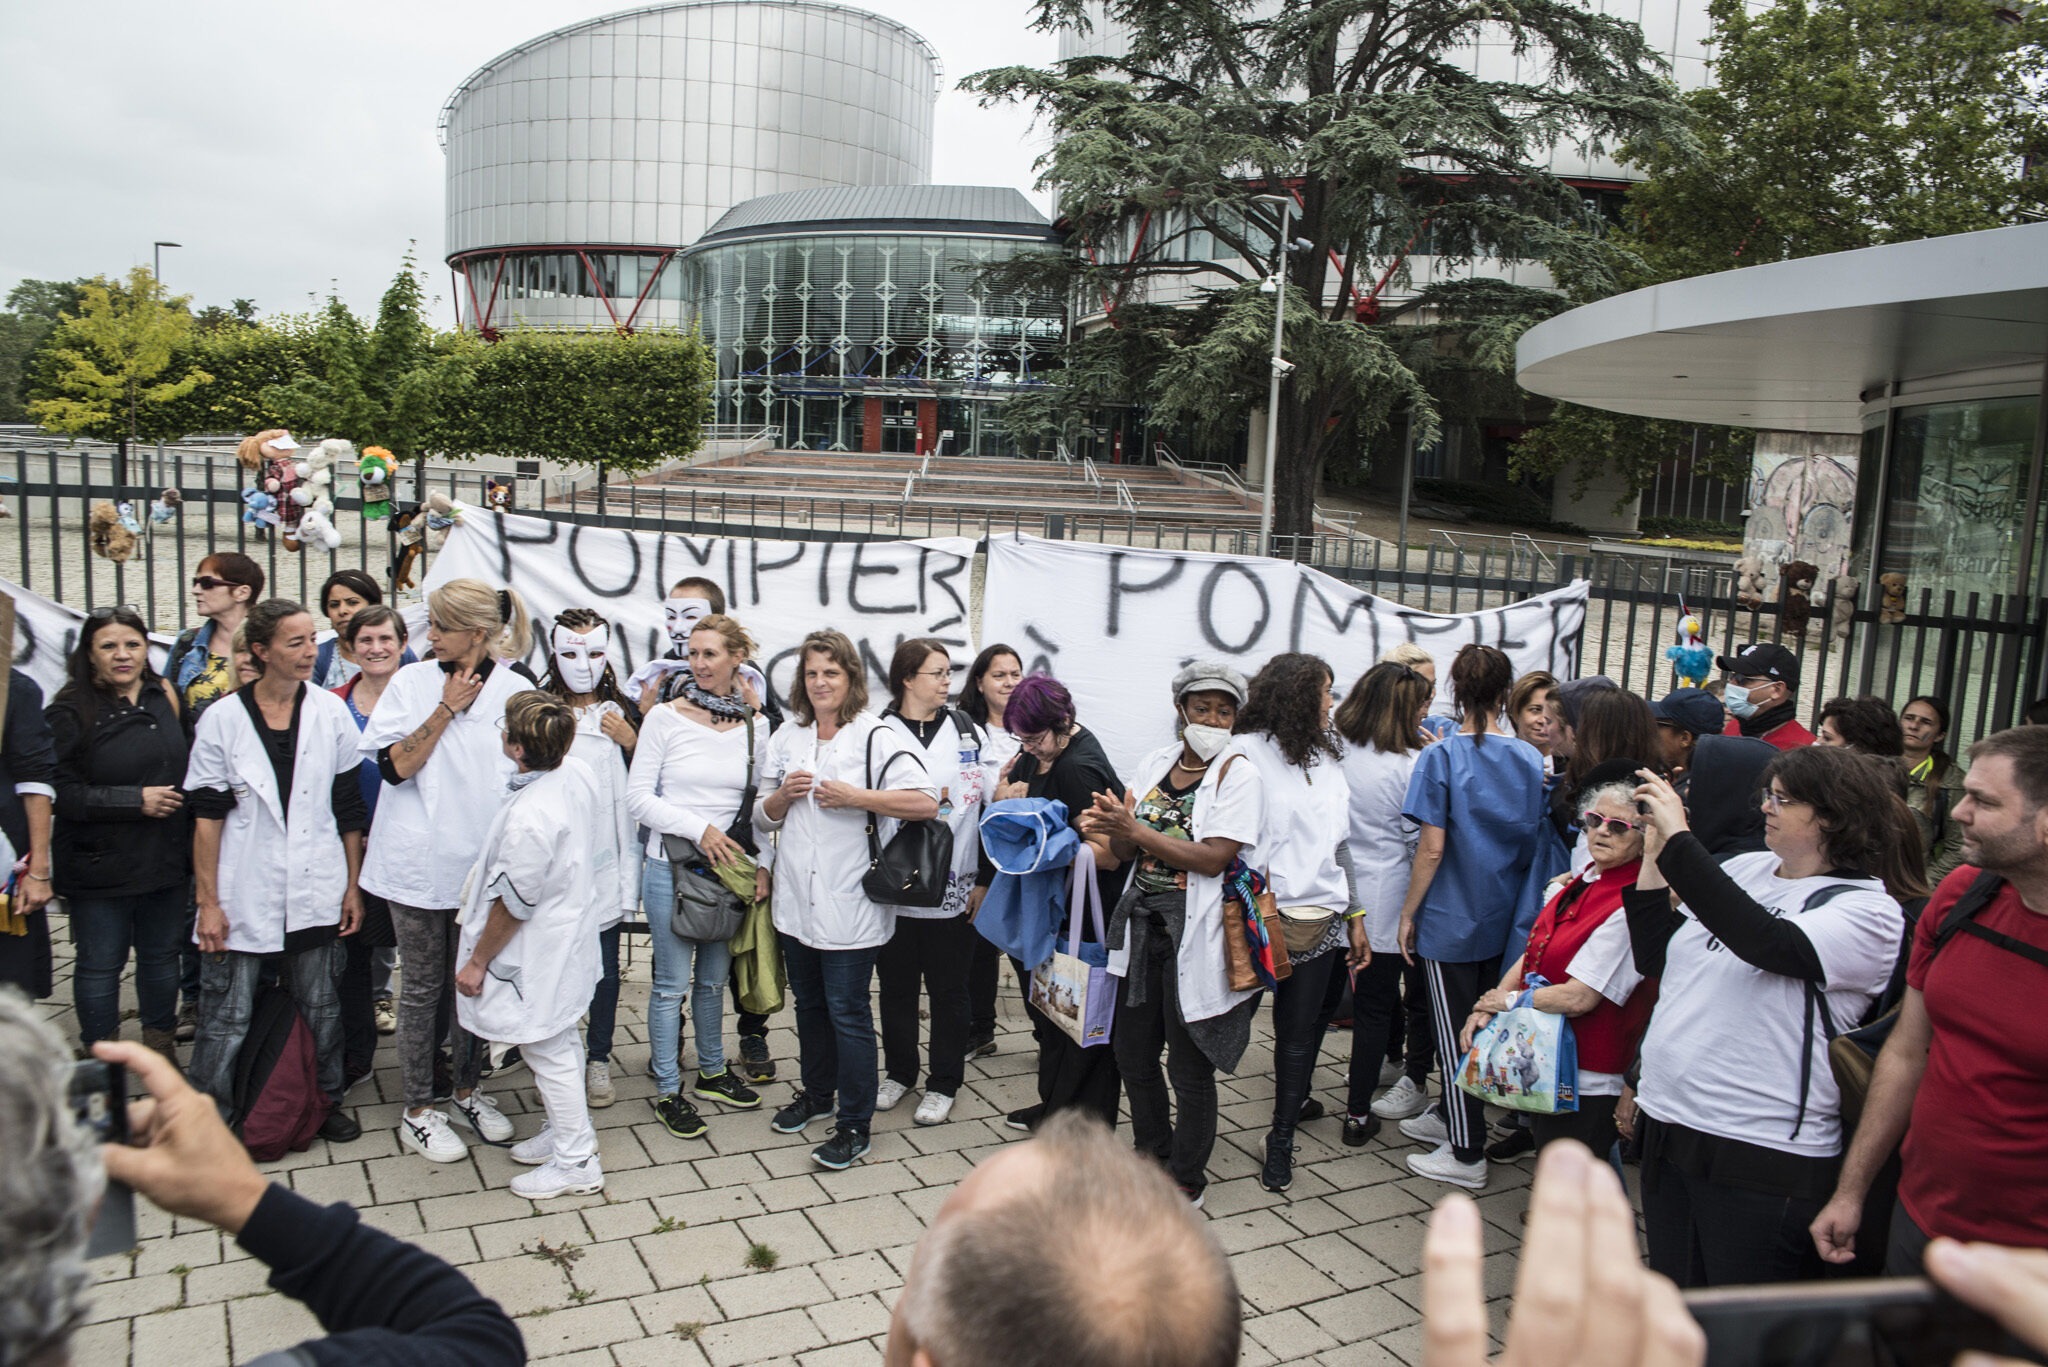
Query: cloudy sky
[[290, 146]]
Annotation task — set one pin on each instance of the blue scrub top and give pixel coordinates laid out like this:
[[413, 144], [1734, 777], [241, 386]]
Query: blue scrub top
[[1488, 798]]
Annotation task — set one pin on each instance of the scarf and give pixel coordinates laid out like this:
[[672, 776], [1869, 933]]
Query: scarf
[[733, 708]]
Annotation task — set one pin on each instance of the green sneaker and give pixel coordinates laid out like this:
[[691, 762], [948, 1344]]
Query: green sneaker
[[679, 1117], [727, 1089]]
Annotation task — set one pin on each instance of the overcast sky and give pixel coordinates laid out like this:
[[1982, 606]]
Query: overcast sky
[[290, 146]]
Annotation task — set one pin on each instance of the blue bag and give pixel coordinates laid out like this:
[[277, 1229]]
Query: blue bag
[[1525, 1059], [1030, 843]]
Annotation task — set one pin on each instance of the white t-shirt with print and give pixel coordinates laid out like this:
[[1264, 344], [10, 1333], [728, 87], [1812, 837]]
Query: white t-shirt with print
[[1722, 1055]]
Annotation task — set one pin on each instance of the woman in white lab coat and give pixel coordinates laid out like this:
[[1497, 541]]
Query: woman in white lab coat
[[530, 915], [816, 794], [276, 847], [435, 737], [607, 729]]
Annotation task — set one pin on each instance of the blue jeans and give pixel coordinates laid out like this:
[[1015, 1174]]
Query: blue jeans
[[102, 930], [604, 1001], [835, 1026], [702, 964], [228, 984]]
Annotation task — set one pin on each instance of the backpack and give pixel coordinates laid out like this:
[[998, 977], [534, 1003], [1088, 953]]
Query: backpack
[[277, 1106]]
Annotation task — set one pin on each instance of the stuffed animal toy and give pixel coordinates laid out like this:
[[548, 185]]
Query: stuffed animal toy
[[1842, 603], [126, 510], [1795, 595], [443, 513], [111, 537], [1749, 582], [166, 506], [268, 456], [315, 527], [258, 508], [421, 527], [374, 471], [498, 495], [1692, 659], [1892, 593]]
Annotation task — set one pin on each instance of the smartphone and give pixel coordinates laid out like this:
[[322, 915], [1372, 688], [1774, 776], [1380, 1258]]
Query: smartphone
[[99, 1103], [1885, 1322]]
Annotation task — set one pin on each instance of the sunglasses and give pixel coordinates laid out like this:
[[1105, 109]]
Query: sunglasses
[[208, 582], [101, 614], [1593, 821]]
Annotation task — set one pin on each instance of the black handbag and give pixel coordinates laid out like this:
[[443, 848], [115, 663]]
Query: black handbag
[[911, 870]]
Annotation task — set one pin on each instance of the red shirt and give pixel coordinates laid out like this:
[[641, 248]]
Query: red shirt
[[1976, 1155], [1788, 735]]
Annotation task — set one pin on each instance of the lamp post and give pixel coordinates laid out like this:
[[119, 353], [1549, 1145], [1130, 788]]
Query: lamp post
[[156, 270], [1280, 368]]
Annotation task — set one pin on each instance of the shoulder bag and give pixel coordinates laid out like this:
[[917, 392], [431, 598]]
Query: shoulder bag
[[1254, 939], [911, 870], [705, 909]]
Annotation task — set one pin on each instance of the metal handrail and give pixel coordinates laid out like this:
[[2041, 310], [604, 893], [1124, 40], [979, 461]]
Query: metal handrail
[[1060, 452], [1090, 473], [1217, 469], [1124, 499]]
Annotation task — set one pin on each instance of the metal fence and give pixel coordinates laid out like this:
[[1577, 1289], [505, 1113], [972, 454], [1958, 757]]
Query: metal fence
[[1985, 657]]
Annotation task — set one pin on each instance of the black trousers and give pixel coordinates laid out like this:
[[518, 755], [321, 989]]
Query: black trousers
[[1908, 1246], [1415, 1017], [1182, 1141], [1454, 988], [1375, 1027], [1592, 1125], [984, 974], [1303, 1006], [358, 1001], [1704, 1233], [1068, 1075], [932, 954]]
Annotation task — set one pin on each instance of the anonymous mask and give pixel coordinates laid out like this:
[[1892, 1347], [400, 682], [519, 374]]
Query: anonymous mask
[[683, 614], [580, 659]]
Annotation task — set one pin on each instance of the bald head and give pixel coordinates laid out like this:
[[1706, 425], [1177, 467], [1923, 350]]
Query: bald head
[[1068, 1251]]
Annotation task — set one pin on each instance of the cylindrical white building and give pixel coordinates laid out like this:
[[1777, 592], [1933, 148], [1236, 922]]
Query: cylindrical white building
[[581, 162]]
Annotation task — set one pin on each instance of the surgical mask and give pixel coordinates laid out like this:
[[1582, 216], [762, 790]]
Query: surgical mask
[[580, 660], [1736, 699], [1205, 741], [682, 615]]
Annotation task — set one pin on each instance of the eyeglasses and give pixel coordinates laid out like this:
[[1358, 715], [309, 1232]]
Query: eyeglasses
[[945, 673], [1593, 821], [102, 613], [1775, 801], [207, 583], [1751, 680]]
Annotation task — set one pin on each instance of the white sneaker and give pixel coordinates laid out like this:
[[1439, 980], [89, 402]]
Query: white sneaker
[[484, 1117], [934, 1109], [888, 1094], [597, 1085], [1401, 1100], [1391, 1071], [552, 1179], [1441, 1165], [1428, 1128], [428, 1135], [537, 1150]]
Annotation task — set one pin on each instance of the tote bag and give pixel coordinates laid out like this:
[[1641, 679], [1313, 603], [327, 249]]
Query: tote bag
[[1073, 989], [1525, 1059]]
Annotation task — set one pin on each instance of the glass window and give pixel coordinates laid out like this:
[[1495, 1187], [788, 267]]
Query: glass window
[[1956, 501]]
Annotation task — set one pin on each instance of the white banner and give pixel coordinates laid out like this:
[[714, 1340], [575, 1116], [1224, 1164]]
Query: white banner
[[1114, 624], [879, 592], [45, 632]]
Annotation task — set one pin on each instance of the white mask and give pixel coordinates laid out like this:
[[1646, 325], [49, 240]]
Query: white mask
[[1206, 741], [683, 614], [580, 660]]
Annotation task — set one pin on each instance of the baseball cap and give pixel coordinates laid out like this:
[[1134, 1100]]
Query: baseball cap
[[1572, 694], [1208, 676], [1763, 660], [1691, 709]]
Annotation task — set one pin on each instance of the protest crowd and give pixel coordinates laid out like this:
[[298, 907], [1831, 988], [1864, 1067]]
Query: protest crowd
[[1781, 974]]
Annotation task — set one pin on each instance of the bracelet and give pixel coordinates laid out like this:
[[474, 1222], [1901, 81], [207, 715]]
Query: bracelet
[[39, 877], [449, 710], [1354, 915]]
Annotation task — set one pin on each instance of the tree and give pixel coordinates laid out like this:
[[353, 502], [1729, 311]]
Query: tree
[[1365, 113], [248, 363], [33, 308], [105, 363]]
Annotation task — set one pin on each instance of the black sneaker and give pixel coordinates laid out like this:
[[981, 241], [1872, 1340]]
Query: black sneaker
[[756, 1064], [1278, 1172], [679, 1117], [340, 1128], [980, 1045], [1512, 1146], [727, 1090], [1359, 1129], [1311, 1109], [802, 1109], [845, 1148], [1026, 1119]]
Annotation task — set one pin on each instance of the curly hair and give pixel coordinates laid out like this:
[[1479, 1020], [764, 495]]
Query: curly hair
[[1867, 724], [1285, 702], [581, 622], [1865, 825]]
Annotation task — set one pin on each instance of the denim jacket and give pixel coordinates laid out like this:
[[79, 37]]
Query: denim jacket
[[1030, 843]]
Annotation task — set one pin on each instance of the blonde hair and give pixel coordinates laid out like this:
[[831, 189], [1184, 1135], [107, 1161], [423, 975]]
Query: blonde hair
[[542, 726], [838, 648], [1410, 654], [250, 452], [729, 630], [473, 605]]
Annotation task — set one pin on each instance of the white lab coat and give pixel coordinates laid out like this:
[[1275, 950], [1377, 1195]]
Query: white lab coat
[[540, 856], [821, 855], [620, 880], [1201, 972], [429, 829], [953, 762], [277, 874]]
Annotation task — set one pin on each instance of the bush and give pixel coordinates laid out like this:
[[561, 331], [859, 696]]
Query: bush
[[1510, 504], [1695, 527]]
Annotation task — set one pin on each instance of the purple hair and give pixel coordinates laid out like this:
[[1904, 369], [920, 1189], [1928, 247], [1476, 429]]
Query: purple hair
[[1040, 703]]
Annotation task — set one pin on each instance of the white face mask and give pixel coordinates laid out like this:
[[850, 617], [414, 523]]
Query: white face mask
[[580, 660], [683, 614], [1206, 741]]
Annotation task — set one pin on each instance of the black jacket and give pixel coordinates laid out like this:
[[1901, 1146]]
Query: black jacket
[[1722, 793], [103, 845]]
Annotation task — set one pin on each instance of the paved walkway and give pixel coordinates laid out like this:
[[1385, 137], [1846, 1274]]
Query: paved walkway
[[737, 1249]]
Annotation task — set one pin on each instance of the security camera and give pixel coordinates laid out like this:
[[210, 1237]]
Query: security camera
[[1282, 368]]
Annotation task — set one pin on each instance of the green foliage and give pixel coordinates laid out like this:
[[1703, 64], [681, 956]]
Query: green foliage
[[1700, 528], [247, 362], [108, 369], [762, 1258], [1343, 101], [1588, 440]]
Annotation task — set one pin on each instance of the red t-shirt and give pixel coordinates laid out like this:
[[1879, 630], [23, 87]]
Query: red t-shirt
[[1789, 735], [1976, 1154]]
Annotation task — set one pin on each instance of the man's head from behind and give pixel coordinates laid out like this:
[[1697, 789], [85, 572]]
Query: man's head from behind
[[1069, 1251], [2004, 808], [50, 1185]]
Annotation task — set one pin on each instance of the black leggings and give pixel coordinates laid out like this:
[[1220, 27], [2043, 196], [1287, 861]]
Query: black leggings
[[1454, 988], [1303, 1006], [1375, 1027], [1592, 1125]]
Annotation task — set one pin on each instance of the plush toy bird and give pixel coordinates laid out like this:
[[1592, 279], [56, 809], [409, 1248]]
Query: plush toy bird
[[1692, 659]]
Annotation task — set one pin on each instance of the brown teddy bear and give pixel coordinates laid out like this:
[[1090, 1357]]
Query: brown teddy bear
[[1892, 591], [111, 537], [1749, 582], [1795, 595], [1842, 603]]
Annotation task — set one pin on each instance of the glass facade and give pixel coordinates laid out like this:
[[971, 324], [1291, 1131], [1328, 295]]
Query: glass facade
[[839, 339], [1959, 509]]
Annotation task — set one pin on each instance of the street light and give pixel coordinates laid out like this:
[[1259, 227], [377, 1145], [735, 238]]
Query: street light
[[1280, 367]]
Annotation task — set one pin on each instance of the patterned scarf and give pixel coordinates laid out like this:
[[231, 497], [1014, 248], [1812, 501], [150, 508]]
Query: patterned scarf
[[733, 708]]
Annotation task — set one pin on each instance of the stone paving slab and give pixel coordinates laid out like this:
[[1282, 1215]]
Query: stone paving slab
[[660, 1268]]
